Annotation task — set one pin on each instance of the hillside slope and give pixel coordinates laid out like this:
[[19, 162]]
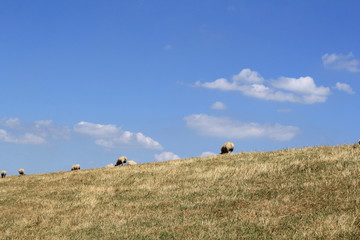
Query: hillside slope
[[288, 194]]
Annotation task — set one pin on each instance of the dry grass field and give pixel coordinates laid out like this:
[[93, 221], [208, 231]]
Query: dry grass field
[[308, 193]]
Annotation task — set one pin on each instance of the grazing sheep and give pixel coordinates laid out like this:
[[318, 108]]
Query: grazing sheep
[[3, 174], [21, 171], [131, 163], [75, 167], [110, 165], [121, 161], [227, 147]]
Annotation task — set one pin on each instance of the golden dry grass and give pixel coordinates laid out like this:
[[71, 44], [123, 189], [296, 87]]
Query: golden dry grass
[[309, 193]]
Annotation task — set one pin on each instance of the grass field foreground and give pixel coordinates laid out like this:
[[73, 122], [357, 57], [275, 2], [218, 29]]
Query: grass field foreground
[[308, 193]]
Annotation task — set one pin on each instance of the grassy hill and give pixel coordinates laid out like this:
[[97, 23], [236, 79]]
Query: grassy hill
[[309, 193]]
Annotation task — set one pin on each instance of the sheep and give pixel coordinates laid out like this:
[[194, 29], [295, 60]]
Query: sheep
[[356, 145], [21, 171], [131, 163], [227, 147], [75, 167], [121, 161], [110, 165], [3, 174]]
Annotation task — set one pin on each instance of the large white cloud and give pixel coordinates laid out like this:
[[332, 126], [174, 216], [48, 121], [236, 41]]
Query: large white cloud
[[224, 127], [40, 132], [341, 62], [110, 136], [166, 156], [284, 89]]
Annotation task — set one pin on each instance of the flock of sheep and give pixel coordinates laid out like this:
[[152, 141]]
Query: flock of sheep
[[121, 161], [21, 172], [227, 147]]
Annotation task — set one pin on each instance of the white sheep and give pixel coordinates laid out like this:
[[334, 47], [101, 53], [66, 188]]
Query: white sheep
[[227, 147], [131, 163], [3, 174], [110, 165], [21, 171], [75, 167], [121, 161]]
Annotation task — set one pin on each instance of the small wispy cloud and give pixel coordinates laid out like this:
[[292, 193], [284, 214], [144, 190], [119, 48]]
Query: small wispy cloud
[[218, 106], [231, 9], [38, 132], [48, 129], [283, 89], [344, 87], [27, 138], [223, 127], [167, 47], [284, 110], [110, 136], [96, 130], [341, 62], [11, 122], [166, 156]]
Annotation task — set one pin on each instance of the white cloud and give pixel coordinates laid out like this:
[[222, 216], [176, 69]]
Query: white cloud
[[110, 136], [266, 93], [147, 142], [126, 136], [344, 87], [38, 132], [341, 62], [248, 76], [27, 138], [304, 87], [166, 156], [223, 127], [221, 84], [47, 128], [167, 47], [284, 89], [96, 130], [106, 143], [284, 110], [207, 154], [218, 106], [11, 122]]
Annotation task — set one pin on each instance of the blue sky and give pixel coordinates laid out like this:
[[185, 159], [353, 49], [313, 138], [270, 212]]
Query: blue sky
[[89, 81]]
